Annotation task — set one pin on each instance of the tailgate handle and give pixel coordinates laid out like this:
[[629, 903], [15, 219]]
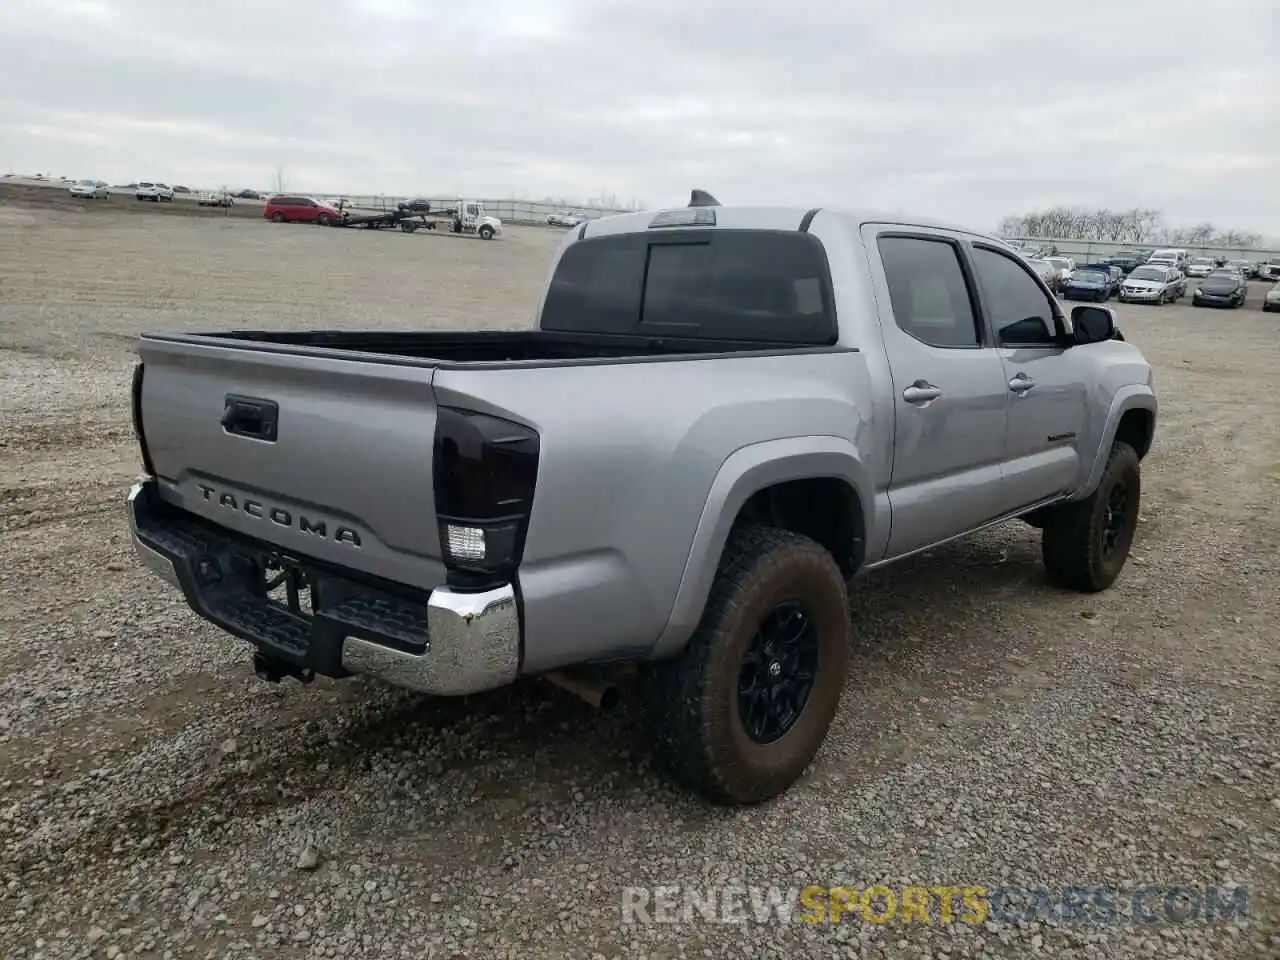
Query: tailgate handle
[[251, 417]]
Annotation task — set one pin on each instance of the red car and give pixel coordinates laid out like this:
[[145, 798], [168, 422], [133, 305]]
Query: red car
[[302, 209]]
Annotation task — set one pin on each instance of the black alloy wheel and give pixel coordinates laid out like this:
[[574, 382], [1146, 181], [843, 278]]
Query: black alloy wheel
[[1115, 518], [778, 671]]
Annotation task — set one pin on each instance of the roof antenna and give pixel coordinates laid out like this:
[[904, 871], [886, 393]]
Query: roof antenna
[[700, 198]]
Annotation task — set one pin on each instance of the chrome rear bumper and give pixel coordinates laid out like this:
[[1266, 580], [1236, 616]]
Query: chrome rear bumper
[[453, 644]]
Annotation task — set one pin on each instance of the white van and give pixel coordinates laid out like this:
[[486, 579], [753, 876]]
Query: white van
[[1172, 257]]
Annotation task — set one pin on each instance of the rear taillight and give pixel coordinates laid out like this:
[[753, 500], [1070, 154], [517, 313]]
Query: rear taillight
[[136, 395], [484, 473]]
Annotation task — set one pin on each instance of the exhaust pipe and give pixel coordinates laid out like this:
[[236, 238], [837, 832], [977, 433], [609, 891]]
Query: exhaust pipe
[[600, 693]]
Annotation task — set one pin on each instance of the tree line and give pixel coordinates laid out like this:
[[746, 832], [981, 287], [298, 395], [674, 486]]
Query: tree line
[[1121, 226]]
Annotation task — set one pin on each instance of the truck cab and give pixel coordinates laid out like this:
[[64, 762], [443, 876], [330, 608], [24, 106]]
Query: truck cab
[[469, 217]]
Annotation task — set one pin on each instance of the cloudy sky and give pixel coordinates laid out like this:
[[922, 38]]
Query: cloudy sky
[[963, 110]]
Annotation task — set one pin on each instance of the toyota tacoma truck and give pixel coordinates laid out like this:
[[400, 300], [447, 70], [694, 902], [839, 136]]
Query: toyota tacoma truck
[[720, 416]]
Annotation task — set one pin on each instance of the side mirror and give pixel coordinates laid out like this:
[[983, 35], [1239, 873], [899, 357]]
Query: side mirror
[[1092, 324]]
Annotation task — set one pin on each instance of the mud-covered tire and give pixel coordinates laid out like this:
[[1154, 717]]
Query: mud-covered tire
[[693, 700], [1076, 535]]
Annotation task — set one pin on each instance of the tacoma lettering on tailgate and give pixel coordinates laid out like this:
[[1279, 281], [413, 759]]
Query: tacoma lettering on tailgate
[[279, 516]]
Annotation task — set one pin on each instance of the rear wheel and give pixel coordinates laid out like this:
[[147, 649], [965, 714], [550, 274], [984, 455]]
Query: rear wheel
[[741, 713], [1085, 543]]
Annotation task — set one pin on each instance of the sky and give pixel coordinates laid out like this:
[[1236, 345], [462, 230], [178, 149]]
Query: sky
[[964, 111]]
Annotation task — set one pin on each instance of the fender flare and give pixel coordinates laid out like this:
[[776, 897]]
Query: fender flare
[[744, 473], [1132, 397]]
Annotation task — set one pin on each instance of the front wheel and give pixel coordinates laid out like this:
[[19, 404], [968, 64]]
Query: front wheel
[[277, 217], [323, 220], [741, 713], [1086, 542], [486, 232]]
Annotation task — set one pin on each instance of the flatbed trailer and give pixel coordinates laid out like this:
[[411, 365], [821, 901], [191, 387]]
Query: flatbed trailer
[[464, 216], [406, 220]]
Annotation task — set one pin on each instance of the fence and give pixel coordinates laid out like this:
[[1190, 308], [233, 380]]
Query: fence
[[1088, 251], [508, 211]]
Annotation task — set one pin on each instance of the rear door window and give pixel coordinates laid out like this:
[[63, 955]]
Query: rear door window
[[927, 290], [764, 285]]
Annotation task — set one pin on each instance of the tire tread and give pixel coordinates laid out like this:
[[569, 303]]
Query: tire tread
[[681, 737], [1072, 553]]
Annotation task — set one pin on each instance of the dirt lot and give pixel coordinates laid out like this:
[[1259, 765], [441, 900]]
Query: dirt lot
[[158, 801]]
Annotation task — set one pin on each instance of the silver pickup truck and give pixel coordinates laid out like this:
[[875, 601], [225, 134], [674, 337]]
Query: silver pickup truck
[[720, 417]]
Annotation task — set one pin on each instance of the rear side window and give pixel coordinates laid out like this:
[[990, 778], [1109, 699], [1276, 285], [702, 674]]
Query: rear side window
[[928, 292], [719, 284]]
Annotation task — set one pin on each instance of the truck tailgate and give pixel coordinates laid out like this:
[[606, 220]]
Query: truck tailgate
[[327, 457]]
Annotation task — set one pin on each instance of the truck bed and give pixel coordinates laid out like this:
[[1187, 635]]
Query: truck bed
[[453, 347], [278, 435]]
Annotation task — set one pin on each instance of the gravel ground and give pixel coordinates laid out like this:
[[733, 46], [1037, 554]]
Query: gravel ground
[[156, 800]]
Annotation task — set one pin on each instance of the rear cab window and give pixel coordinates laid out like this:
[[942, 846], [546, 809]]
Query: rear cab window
[[772, 286]]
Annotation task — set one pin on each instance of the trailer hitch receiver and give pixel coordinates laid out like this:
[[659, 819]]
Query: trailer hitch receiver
[[273, 670]]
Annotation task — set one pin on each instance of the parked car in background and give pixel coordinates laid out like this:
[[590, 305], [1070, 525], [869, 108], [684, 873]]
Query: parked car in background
[[155, 192], [1174, 256], [1091, 282], [288, 208], [1127, 260], [563, 219], [215, 198], [1272, 300], [1064, 266], [1200, 266], [1222, 288], [1046, 271], [1150, 283], [1247, 267], [1038, 251], [89, 189]]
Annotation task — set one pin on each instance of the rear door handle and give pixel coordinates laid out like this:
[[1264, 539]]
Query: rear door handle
[[921, 392], [1021, 384]]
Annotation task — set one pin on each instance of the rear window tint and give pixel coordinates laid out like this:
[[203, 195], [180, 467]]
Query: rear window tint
[[711, 284]]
